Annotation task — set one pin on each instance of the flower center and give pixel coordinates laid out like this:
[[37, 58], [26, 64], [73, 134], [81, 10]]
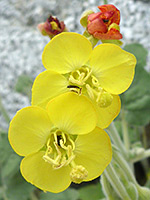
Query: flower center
[[59, 151], [83, 81], [54, 26]]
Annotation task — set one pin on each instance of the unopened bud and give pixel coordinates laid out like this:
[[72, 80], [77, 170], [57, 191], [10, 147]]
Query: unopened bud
[[84, 17], [103, 25], [52, 27]]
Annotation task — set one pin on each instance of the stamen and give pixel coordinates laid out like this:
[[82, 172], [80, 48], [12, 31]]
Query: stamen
[[64, 138], [62, 145], [55, 137], [73, 144], [89, 72], [59, 154], [89, 91], [99, 94], [83, 75], [95, 82]]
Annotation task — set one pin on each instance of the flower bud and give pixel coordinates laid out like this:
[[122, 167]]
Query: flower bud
[[104, 25], [52, 27], [84, 17]]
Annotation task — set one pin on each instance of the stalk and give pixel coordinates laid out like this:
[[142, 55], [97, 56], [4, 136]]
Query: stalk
[[125, 130], [113, 178], [113, 133], [105, 2], [144, 155]]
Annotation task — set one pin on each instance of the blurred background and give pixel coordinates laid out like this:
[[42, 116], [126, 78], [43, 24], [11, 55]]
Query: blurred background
[[21, 47]]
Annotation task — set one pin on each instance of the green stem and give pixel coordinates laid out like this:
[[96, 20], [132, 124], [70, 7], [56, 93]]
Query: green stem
[[124, 165], [144, 193], [144, 155], [113, 178], [4, 112], [125, 130], [3, 186], [144, 137], [116, 138], [105, 2], [107, 189]]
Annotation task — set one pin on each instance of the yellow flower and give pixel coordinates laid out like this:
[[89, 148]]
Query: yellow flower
[[101, 74], [60, 144]]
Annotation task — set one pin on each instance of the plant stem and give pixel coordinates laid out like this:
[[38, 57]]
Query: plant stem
[[4, 112], [3, 186], [125, 130], [116, 138], [124, 165], [146, 154], [107, 189], [105, 2], [115, 182]]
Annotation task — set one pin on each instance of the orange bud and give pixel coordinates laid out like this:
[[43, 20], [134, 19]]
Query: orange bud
[[111, 12], [104, 25]]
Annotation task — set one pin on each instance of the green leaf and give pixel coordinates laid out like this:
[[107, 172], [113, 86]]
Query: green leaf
[[139, 51], [9, 161], [136, 100], [69, 194], [18, 188], [24, 84], [5, 149], [11, 166], [91, 192], [133, 132]]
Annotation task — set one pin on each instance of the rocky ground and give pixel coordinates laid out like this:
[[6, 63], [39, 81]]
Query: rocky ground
[[21, 44]]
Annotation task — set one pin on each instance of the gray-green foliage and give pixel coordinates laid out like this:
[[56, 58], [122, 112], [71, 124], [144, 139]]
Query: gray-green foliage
[[12, 185], [69, 194], [91, 192], [136, 100], [24, 84]]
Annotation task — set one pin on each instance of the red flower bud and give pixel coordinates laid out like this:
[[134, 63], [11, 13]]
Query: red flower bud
[[104, 25], [52, 27]]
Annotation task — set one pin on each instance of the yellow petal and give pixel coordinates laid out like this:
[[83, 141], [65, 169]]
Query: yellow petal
[[72, 113], [41, 174], [108, 114], [66, 52], [29, 130], [46, 86], [113, 67], [93, 151]]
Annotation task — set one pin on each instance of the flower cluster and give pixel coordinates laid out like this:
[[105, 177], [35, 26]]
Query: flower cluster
[[103, 25], [61, 134]]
